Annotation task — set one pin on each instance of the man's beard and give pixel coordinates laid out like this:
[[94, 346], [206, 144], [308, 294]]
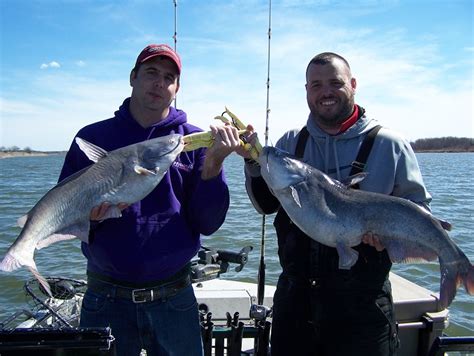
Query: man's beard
[[336, 118]]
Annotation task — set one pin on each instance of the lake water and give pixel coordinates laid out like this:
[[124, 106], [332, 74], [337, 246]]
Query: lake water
[[448, 177]]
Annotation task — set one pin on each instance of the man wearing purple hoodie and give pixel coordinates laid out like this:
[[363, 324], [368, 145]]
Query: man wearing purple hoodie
[[138, 265]]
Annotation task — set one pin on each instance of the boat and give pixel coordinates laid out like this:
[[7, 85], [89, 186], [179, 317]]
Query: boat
[[232, 321]]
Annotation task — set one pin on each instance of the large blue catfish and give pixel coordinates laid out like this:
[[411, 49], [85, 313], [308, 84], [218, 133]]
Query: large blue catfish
[[125, 175], [337, 216]]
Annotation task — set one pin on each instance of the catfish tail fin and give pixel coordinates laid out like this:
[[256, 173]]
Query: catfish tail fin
[[449, 283], [468, 280], [453, 274], [465, 272], [10, 263]]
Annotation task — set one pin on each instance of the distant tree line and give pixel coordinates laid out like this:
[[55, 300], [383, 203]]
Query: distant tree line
[[439, 144], [444, 144], [15, 149]]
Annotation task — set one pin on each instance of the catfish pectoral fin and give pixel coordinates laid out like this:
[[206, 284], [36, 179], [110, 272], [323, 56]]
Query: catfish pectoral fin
[[296, 197]]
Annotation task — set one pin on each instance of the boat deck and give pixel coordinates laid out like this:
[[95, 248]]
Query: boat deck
[[417, 309]]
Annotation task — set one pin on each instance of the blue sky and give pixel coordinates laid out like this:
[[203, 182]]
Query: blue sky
[[65, 64]]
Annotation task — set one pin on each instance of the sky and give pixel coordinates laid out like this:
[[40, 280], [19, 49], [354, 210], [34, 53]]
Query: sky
[[66, 64]]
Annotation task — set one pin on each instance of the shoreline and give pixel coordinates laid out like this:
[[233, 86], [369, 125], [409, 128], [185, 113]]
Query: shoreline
[[446, 150], [13, 154]]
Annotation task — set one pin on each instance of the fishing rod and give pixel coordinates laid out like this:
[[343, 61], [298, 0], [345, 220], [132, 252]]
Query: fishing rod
[[261, 268], [175, 36]]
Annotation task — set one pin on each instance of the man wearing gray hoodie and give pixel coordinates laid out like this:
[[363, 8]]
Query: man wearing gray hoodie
[[318, 308]]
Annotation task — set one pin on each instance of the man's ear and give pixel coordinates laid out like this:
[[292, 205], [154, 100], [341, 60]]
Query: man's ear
[[133, 75], [354, 83]]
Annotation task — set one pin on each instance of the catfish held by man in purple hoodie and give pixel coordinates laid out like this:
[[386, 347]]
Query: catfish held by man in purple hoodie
[[125, 175], [337, 216]]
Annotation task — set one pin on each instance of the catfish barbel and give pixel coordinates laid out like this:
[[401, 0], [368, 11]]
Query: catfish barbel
[[125, 175], [337, 216]]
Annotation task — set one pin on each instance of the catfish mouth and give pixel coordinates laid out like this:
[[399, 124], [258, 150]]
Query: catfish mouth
[[272, 153], [179, 142], [267, 166], [279, 169], [276, 154], [264, 158]]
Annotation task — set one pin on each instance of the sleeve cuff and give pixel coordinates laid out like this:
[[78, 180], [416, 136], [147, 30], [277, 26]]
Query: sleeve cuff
[[252, 168]]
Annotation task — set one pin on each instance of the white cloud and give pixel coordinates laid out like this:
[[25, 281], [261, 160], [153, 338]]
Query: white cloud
[[52, 64], [81, 63]]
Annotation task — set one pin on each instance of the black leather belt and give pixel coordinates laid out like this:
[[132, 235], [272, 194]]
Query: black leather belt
[[140, 295]]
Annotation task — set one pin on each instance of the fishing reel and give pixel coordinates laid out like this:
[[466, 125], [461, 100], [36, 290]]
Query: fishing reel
[[211, 264], [260, 312], [61, 288]]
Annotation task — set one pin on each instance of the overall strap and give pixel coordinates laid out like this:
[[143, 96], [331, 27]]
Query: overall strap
[[293, 244], [359, 164], [301, 144]]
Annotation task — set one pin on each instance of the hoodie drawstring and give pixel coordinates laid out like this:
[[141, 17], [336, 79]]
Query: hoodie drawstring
[[151, 132], [336, 159], [326, 155]]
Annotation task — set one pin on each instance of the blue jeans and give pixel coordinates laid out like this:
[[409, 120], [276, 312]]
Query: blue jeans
[[162, 327]]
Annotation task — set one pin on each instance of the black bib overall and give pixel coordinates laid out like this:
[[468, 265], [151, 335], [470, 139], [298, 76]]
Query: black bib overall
[[320, 309]]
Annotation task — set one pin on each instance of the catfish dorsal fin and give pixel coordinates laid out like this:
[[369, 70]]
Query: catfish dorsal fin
[[354, 179], [445, 224], [93, 152]]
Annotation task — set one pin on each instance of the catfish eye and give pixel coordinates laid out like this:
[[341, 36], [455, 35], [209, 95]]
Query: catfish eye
[[173, 141]]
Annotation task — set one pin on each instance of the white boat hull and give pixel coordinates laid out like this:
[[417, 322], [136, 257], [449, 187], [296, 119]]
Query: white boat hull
[[418, 316]]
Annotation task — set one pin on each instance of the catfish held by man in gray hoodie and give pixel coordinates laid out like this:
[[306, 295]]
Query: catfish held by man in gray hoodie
[[337, 216]]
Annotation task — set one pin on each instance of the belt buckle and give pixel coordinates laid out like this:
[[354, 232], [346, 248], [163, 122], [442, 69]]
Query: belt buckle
[[141, 297]]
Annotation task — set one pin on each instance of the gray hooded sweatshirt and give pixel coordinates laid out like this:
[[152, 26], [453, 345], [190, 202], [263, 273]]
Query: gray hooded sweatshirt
[[391, 166]]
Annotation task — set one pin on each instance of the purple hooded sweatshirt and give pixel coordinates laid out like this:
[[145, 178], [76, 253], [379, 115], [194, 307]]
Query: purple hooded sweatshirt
[[157, 236]]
